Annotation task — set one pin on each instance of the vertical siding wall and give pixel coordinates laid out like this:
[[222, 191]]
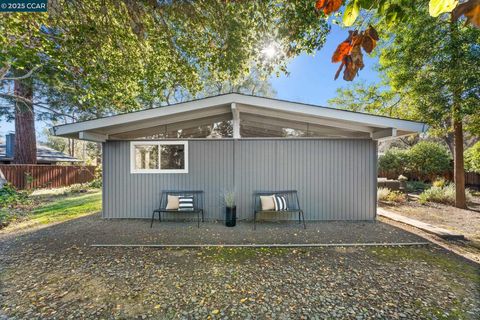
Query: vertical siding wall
[[335, 178]]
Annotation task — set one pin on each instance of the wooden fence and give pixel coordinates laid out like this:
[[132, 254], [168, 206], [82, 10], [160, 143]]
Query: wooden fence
[[26, 176], [472, 179]]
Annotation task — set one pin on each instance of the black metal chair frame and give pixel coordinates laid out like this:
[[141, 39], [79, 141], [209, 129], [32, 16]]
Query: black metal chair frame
[[197, 204], [293, 206]]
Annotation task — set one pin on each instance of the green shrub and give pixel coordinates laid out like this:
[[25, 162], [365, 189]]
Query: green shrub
[[76, 188], [394, 161], [413, 186], [385, 194], [445, 195], [97, 182], [428, 160], [440, 183], [425, 161], [472, 158], [9, 196], [396, 196]]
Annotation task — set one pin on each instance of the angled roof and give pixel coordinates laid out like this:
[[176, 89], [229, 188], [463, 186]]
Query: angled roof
[[256, 110], [44, 155]]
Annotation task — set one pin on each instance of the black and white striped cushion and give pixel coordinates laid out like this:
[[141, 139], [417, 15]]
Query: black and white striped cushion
[[185, 203], [280, 203]]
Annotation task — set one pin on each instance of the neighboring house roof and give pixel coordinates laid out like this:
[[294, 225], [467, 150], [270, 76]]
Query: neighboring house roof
[[44, 154], [257, 111]]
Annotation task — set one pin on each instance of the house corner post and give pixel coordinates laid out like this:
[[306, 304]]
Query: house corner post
[[236, 121]]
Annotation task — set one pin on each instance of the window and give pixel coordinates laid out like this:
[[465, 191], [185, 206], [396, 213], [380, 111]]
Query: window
[[159, 157]]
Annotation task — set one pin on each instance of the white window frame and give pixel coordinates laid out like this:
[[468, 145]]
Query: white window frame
[[159, 144]]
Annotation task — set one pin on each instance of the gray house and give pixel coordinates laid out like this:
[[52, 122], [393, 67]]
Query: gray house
[[242, 143]]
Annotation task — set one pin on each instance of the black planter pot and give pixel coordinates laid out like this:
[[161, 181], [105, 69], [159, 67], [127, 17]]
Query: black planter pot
[[230, 216]]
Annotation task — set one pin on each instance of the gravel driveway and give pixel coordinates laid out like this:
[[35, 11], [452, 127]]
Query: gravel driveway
[[53, 273]]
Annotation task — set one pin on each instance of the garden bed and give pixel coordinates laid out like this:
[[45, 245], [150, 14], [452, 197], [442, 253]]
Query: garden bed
[[466, 222]]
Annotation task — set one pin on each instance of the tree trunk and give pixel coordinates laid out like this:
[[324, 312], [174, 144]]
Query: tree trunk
[[25, 140], [455, 86], [449, 139], [459, 172]]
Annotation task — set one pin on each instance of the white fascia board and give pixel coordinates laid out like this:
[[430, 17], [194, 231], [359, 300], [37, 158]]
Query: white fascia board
[[142, 115], [334, 114], [228, 99]]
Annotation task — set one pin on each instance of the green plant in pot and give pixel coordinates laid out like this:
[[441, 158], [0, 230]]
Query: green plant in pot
[[230, 209]]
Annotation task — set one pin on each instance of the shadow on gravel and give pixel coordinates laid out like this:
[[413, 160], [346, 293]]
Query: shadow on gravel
[[92, 229]]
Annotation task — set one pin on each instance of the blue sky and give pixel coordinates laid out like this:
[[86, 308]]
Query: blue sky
[[310, 78]]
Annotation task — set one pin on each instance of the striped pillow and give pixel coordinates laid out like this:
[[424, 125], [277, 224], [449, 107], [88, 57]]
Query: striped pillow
[[280, 203], [185, 203]]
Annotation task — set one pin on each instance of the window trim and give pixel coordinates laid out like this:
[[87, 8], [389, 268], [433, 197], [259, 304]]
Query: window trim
[[159, 144]]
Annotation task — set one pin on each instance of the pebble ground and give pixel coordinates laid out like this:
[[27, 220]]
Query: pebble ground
[[52, 273]]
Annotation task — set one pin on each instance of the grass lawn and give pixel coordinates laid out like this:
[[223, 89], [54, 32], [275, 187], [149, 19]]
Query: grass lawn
[[67, 207], [53, 205]]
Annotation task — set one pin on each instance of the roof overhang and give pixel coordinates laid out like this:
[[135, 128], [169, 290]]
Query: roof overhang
[[254, 111]]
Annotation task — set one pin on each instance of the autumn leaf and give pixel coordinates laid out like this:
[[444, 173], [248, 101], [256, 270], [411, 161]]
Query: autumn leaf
[[356, 38], [339, 70], [349, 52], [342, 50], [372, 33], [351, 13], [319, 4], [437, 7], [368, 44], [332, 6], [357, 57], [350, 69], [470, 9], [328, 6]]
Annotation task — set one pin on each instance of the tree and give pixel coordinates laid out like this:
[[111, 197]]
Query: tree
[[432, 64], [376, 98], [18, 61], [435, 65], [104, 57], [472, 158]]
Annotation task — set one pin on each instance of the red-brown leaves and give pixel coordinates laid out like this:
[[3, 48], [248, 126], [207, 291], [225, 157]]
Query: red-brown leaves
[[349, 52], [470, 9], [319, 4], [372, 33], [368, 44], [328, 6], [343, 50]]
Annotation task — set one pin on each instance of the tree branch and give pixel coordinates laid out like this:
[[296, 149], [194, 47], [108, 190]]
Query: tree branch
[[27, 75], [35, 104], [4, 71]]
